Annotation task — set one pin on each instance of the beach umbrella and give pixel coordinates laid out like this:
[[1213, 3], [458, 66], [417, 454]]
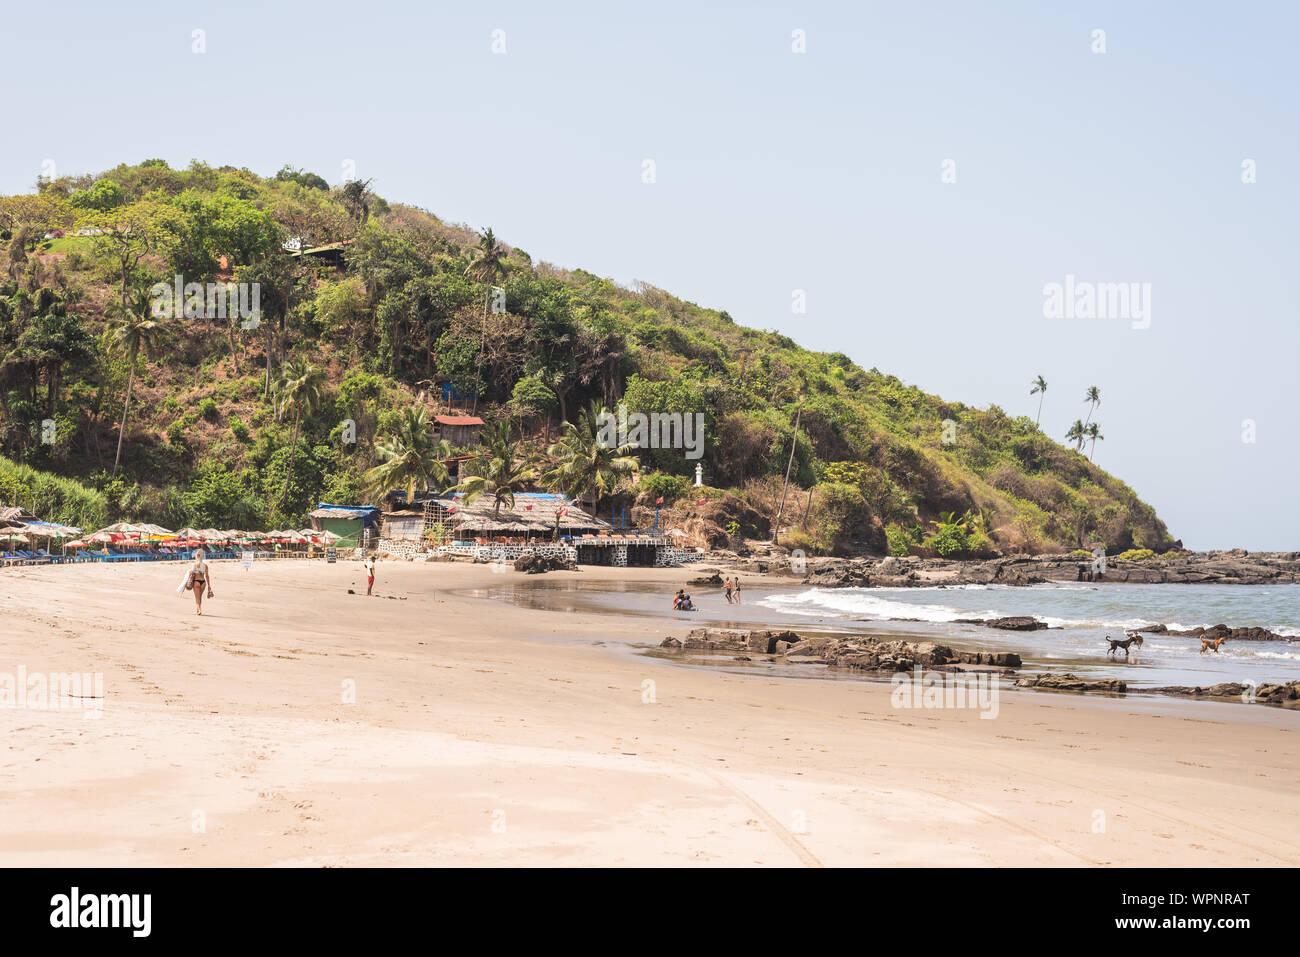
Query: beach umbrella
[[77, 544]]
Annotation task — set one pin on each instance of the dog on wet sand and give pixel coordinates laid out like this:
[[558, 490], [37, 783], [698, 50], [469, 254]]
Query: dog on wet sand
[[1212, 644], [1130, 638]]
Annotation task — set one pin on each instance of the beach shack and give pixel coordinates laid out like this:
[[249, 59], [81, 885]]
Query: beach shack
[[460, 430], [349, 522]]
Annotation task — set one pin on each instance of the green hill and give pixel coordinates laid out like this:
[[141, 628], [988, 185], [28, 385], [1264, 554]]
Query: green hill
[[392, 312]]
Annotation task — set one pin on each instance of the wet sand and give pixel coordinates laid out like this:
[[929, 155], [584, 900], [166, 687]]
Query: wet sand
[[295, 724]]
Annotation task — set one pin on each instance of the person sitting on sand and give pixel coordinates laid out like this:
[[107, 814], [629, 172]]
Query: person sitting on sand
[[677, 599], [197, 579]]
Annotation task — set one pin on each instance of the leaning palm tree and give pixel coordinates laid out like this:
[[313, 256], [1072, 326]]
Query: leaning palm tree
[[409, 457], [1040, 387], [131, 332], [1076, 434], [1093, 432], [586, 467], [298, 389], [487, 264], [494, 471], [1092, 396]]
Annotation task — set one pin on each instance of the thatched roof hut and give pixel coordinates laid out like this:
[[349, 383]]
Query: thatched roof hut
[[534, 513]]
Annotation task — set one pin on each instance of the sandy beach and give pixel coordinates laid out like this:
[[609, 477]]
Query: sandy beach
[[296, 724]]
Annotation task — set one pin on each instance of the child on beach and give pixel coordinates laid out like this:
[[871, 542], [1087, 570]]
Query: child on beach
[[370, 574]]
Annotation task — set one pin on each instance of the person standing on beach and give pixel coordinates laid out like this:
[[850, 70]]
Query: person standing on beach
[[726, 590], [197, 579], [735, 589], [370, 575]]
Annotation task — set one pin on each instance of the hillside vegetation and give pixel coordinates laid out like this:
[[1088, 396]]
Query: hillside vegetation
[[233, 423]]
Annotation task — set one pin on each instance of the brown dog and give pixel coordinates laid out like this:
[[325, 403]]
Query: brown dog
[[1212, 644]]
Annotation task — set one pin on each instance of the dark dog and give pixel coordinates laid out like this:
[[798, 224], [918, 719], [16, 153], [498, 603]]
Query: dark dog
[[1130, 638]]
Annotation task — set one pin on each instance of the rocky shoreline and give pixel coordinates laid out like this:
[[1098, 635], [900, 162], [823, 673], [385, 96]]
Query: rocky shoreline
[[883, 656], [1235, 567]]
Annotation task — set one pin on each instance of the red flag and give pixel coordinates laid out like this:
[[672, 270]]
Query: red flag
[[659, 500]]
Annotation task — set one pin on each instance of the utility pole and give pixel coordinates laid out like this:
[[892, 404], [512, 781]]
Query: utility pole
[[794, 441]]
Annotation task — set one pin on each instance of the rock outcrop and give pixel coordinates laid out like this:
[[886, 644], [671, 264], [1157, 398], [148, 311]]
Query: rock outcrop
[[1053, 681]]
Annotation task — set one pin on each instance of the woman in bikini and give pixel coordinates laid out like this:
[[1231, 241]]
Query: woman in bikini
[[198, 580]]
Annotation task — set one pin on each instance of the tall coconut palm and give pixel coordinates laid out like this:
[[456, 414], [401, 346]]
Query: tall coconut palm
[[1092, 396], [587, 468], [1093, 432], [132, 331], [299, 389], [493, 471], [487, 264], [1040, 387], [408, 456], [1076, 434]]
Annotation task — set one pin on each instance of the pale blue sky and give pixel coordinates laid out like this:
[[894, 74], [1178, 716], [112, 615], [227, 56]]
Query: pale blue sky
[[778, 171]]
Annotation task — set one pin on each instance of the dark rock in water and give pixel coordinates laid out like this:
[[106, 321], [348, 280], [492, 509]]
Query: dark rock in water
[[1016, 623], [1267, 693], [670, 642], [742, 658], [1069, 682], [1215, 632], [536, 564], [1010, 623]]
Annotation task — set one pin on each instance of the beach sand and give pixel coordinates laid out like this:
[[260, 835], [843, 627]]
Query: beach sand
[[484, 733]]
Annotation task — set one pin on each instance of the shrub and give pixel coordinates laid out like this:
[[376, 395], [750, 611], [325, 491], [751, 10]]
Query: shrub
[[1135, 555], [239, 430], [899, 540], [658, 484], [839, 512], [208, 409]]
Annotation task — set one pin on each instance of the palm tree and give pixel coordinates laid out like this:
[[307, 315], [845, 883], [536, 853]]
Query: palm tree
[[586, 468], [1040, 387], [487, 264], [298, 388], [494, 471], [1093, 395], [1093, 432], [408, 457], [131, 332], [1076, 434]]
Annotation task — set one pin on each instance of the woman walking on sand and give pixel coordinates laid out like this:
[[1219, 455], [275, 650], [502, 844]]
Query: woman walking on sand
[[735, 589], [197, 579]]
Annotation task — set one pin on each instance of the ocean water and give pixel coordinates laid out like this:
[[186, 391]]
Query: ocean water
[[1080, 616]]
